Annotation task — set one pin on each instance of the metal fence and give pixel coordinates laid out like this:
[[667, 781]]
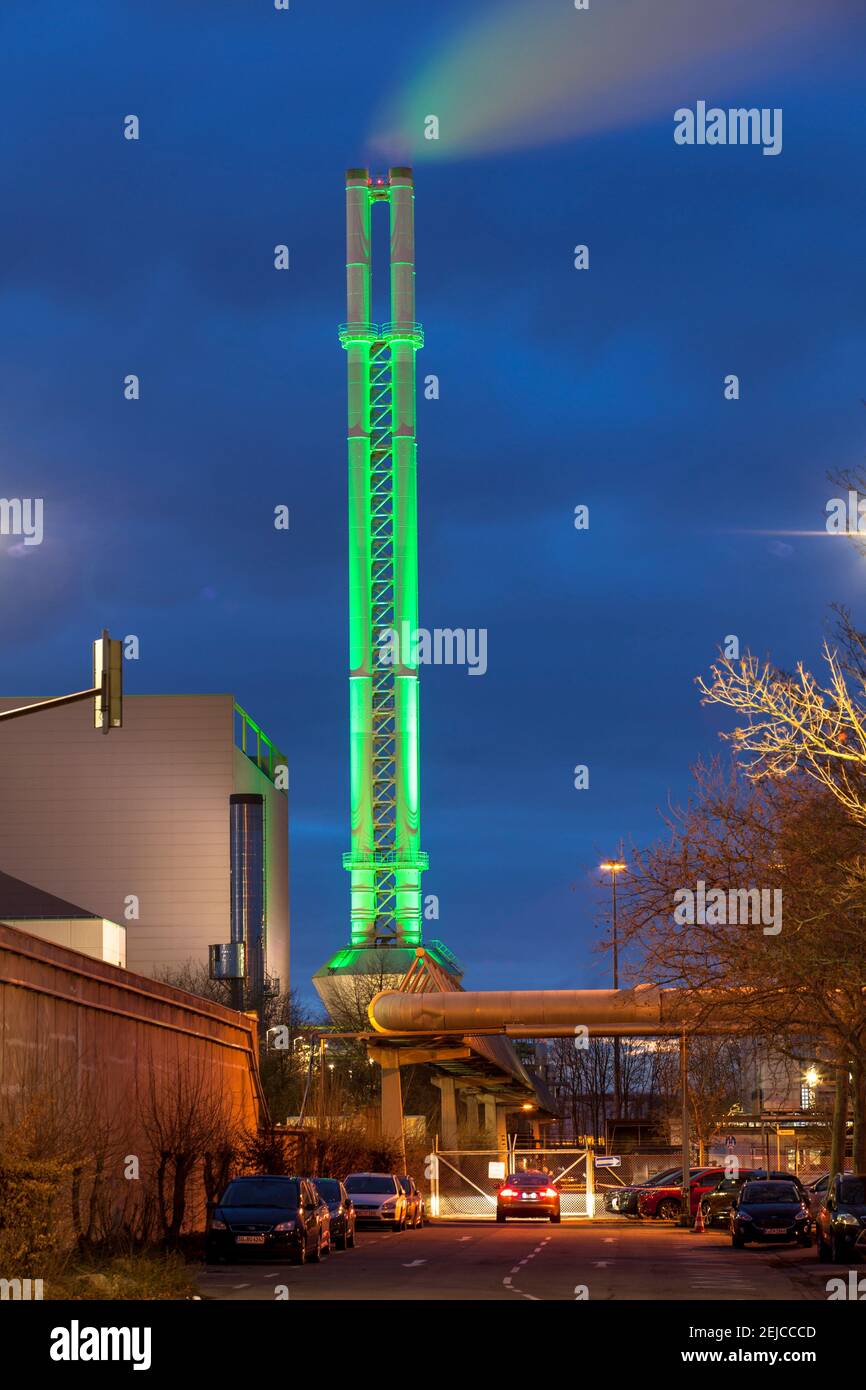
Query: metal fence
[[464, 1182]]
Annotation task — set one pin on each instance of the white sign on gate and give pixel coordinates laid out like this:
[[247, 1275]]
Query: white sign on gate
[[496, 1170]]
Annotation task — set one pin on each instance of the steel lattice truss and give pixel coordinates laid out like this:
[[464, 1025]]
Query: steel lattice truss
[[385, 860]]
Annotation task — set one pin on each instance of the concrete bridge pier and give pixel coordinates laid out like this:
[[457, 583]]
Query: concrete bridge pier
[[448, 1111], [487, 1109], [391, 1103]]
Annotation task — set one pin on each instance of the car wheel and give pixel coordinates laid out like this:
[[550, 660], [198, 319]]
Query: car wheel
[[668, 1209], [397, 1226], [500, 1216], [738, 1242], [300, 1256], [556, 1218], [837, 1252], [823, 1252], [316, 1256], [350, 1238], [326, 1248], [343, 1239]]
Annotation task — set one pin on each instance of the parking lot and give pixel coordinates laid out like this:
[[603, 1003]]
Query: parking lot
[[525, 1260]]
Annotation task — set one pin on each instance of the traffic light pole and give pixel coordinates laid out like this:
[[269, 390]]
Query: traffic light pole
[[107, 693], [51, 704]]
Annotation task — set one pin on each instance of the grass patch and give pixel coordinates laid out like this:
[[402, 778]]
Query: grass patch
[[145, 1277]]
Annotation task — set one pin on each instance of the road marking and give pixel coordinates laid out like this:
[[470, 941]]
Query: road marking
[[531, 1256], [602, 1264], [240, 1286], [413, 1264]]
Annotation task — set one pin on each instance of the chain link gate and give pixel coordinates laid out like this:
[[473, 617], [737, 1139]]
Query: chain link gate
[[464, 1182]]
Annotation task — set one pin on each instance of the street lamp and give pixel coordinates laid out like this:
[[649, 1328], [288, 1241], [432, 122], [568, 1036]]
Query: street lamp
[[614, 867]]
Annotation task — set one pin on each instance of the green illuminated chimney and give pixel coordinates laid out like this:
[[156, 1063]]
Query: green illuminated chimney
[[385, 861]]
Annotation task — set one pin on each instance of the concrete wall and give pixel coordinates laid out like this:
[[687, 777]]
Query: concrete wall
[[141, 811], [114, 1051], [65, 1014]]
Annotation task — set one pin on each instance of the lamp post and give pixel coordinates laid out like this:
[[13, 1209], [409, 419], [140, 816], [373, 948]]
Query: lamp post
[[614, 867]]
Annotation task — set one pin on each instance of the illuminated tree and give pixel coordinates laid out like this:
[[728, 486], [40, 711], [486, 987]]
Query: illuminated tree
[[794, 723]]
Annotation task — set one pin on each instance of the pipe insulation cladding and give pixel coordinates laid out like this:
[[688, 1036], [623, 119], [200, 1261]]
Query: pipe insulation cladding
[[644, 1011]]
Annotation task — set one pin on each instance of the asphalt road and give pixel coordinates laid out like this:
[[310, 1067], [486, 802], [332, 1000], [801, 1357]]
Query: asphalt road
[[538, 1261]]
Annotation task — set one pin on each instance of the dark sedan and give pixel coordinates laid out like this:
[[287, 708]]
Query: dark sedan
[[528, 1193], [840, 1225], [271, 1216], [340, 1209], [716, 1205], [770, 1211]]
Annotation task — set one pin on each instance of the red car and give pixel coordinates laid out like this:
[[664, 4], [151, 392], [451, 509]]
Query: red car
[[529, 1193], [667, 1201]]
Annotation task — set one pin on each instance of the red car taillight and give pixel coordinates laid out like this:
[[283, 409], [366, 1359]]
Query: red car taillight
[[549, 1192], [507, 1192]]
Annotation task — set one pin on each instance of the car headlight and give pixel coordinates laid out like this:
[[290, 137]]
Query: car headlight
[[846, 1219], [744, 1216], [285, 1226], [391, 1202], [217, 1225]]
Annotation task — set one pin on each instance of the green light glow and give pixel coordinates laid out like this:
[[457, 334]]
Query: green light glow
[[385, 861]]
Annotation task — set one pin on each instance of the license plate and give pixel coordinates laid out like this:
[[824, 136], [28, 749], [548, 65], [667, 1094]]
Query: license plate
[[776, 1230], [529, 1196], [250, 1240]]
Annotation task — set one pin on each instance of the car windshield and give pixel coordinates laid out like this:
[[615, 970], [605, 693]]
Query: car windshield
[[660, 1178], [729, 1184], [328, 1188], [853, 1190], [674, 1178], [369, 1182], [770, 1192], [261, 1192], [530, 1179]]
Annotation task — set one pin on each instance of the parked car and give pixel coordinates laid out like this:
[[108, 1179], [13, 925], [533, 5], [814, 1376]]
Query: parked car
[[665, 1200], [416, 1211], [817, 1190], [378, 1200], [779, 1175], [340, 1209], [270, 1216], [767, 1210], [528, 1193], [840, 1226], [716, 1205], [624, 1199]]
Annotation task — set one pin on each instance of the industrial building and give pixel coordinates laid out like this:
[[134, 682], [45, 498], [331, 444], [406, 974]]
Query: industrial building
[[175, 827], [32, 910]]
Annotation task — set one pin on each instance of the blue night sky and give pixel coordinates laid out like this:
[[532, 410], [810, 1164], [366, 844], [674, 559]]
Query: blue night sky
[[558, 387]]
